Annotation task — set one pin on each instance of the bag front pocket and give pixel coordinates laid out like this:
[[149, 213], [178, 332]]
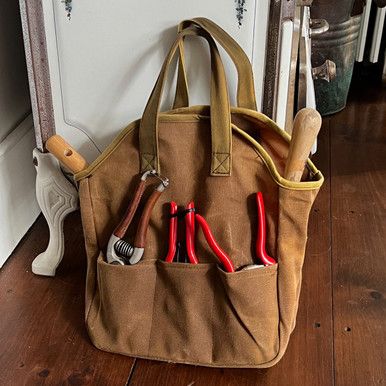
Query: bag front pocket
[[246, 323], [186, 313], [206, 316], [182, 330], [120, 317]]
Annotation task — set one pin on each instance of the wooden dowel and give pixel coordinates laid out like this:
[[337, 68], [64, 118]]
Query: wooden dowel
[[66, 154], [306, 127]]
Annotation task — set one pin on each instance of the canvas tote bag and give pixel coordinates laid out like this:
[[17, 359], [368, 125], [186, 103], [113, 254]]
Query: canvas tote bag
[[219, 156]]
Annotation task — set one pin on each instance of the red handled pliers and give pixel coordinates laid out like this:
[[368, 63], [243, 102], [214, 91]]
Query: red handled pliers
[[190, 218], [261, 252]]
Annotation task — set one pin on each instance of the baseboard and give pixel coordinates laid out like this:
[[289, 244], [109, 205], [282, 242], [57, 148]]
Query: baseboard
[[18, 206]]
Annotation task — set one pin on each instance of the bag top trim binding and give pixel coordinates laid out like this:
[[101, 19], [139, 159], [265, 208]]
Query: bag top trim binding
[[193, 113]]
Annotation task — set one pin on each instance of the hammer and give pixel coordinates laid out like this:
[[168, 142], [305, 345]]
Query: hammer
[[306, 127]]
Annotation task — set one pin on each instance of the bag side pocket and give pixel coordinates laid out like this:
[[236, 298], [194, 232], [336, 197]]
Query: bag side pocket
[[120, 317], [247, 324]]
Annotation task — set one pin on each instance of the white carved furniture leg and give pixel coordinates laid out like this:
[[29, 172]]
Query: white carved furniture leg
[[57, 197]]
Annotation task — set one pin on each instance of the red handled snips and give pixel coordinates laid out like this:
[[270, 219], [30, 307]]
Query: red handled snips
[[261, 252], [190, 218]]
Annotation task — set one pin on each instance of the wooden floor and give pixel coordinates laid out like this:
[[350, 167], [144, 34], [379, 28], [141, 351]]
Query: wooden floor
[[340, 338]]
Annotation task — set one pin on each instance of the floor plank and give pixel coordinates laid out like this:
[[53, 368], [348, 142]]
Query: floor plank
[[358, 193], [309, 358], [43, 339]]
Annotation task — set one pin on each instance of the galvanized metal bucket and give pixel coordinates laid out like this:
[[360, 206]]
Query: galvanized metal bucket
[[339, 45]]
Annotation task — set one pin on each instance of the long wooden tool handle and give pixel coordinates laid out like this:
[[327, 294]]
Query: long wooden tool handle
[[306, 127], [66, 154]]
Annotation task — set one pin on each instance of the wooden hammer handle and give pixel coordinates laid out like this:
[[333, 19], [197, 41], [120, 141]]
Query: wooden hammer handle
[[306, 127], [66, 154]]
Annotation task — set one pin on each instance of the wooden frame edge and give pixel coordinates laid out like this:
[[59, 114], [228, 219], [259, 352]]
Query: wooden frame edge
[[35, 46], [279, 11]]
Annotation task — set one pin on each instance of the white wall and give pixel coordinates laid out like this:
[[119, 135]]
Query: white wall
[[101, 77], [18, 206]]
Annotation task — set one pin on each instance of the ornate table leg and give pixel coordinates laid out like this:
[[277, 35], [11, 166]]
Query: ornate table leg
[[57, 197]]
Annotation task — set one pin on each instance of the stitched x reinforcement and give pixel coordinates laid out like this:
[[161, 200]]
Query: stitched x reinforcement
[[221, 163]]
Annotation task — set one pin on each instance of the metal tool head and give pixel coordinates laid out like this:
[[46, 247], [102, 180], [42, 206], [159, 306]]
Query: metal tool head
[[111, 255], [164, 181], [136, 256], [146, 174], [153, 173]]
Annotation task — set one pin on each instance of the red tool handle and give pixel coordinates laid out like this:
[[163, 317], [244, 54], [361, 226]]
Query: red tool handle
[[172, 233], [190, 233], [261, 234], [223, 257]]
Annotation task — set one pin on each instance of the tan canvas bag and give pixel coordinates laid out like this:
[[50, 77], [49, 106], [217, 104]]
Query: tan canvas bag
[[219, 157]]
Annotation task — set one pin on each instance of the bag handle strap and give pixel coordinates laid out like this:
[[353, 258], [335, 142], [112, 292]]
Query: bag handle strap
[[221, 132], [245, 86]]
